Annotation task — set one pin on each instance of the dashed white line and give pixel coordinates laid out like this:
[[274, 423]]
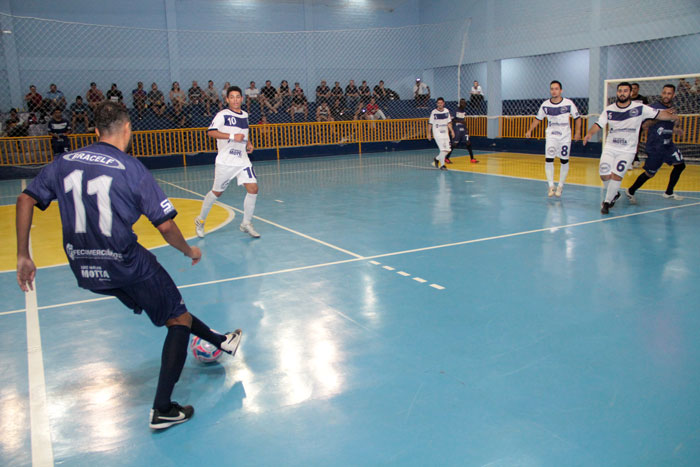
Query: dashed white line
[[279, 201], [388, 268], [435, 286], [375, 262], [403, 273], [419, 279]]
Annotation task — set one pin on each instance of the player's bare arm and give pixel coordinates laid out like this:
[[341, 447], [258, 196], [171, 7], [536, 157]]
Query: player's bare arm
[[577, 129], [591, 131], [26, 270], [171, 233], [216, 134], [452, 132], [533, 125]]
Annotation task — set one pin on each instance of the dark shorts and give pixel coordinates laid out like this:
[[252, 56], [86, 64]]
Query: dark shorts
[[655, 159], [461, 134], [158, 296]]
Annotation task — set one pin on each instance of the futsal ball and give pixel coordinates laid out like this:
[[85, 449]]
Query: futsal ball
[[204, 351]]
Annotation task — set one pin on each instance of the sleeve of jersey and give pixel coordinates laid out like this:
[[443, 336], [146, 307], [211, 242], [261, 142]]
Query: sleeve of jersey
[[649, 112], [540, 113], [217, 123], [603, 119], [41, 188], [153, 202], [574, 111], [431, 120]]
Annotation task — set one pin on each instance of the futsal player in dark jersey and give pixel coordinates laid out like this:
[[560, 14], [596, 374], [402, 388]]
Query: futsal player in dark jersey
[[660, 148], [101, 192], [461, 132]]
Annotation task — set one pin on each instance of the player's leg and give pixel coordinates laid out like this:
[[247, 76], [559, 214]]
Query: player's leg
[[551, 148], [247, 178], [621, 163], [563, 153], [678, 168], [443, 144], [222, 177], [472, 159], [651, 166]]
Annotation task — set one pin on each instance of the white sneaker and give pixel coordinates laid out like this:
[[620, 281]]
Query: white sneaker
[[673, 196], [551, 191], [233, 340], [199, 227], [631, 198], [557, 193], [248, 228]]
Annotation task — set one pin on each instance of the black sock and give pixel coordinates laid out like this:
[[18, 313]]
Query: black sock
[[172, 362], [201, 330], [641, 180], [447, 157], [675, 175], [471, 153]]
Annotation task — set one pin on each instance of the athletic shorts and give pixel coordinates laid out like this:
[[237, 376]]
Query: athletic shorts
[[461, 135], [655, 159], [443, 142], [223, 174], [614, 161], [158, 296], [557, 147]]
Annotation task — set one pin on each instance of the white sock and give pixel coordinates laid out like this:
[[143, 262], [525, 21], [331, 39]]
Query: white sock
[[563, 172], [441, 157], [248, 207], [549, 171], [613, 186], [208, 202]]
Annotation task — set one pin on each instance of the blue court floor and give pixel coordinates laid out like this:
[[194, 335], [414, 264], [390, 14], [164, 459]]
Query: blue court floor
[[392, 314]]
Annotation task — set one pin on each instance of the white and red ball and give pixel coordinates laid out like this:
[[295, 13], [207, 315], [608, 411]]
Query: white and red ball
[[204, 351]]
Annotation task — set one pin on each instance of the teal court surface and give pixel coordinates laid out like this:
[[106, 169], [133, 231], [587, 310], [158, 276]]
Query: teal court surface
[[392, 314]]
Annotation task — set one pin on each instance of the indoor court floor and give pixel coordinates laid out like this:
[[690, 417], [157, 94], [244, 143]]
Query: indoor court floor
[[392, 314]]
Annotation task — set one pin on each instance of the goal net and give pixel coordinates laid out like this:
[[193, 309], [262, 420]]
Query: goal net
[[686, 102]]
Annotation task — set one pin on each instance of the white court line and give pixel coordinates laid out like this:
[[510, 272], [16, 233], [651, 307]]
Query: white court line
[[419, 279], [42, 449], [271, 223], [375, 262], [388, 268], [279, 201], [404, 274], [416, 250], [435, 286]]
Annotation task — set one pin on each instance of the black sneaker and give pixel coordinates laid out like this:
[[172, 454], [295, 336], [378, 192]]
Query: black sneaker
[[617, 196], [177, 414], [444, 167], [606, 208], [436, 163]]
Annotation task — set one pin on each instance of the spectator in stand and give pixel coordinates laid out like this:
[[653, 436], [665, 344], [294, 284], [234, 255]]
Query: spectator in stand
[[268, 96], [177, 114], [177, 95], [352, 96], [94, 96], [211, 98], [224, 90], [252, 98], [323, 93], [79, 114], [373, 112], [300, 105], [284, 95], [33, 99], [381, 93], [695, 88], [421, 93], [55, 99], [197, 114], [155, 96], [139, 96], [323, 112], [297, 87], [115, 95], [337, 93], [15, 126], [59, 129], [338, 110], [195, 92], [477, 97], [365, 93]]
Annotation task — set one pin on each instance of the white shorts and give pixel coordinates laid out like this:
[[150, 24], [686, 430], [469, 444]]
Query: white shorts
[[223, 174], [557, 147], [443, 142], [614, 161]]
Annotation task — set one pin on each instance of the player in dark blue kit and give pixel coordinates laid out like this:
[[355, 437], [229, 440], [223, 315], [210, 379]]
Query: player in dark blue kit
[[660, 148], [461, 132], [101, 193], [59, 128]]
